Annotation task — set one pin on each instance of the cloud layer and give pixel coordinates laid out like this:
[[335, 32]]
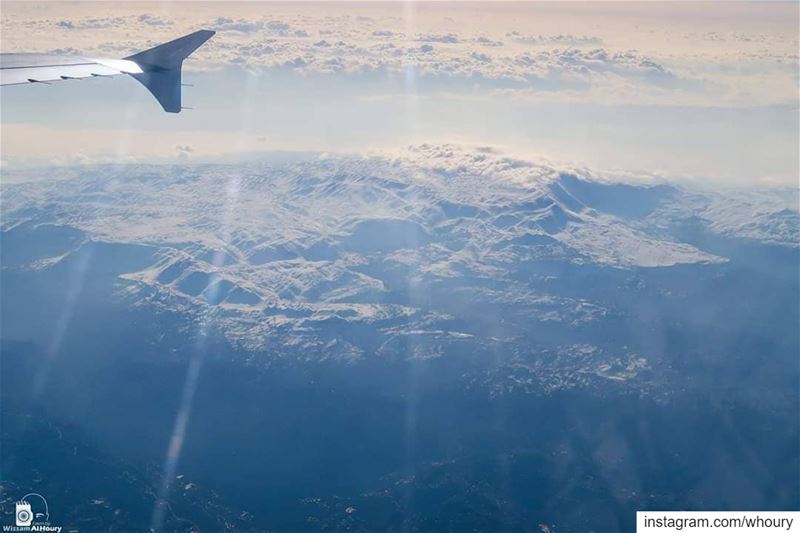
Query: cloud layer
[[641, 60]]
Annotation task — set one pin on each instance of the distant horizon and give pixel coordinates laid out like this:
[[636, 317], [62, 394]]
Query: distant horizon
[[606, 86]]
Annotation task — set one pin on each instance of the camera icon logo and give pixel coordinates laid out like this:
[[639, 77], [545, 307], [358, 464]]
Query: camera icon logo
[[24, 515], [32, 511]]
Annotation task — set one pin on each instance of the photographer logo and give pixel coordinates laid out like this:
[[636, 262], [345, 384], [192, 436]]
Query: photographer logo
[[31, 513], [24, 514]]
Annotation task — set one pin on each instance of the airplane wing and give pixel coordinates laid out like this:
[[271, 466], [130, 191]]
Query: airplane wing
[[158, 69]]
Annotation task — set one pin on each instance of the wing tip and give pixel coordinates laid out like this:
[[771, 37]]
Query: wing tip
[[161, 67]]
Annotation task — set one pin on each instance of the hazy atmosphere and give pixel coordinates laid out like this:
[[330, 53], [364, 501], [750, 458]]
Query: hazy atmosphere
[[400, 266], [610, 85]]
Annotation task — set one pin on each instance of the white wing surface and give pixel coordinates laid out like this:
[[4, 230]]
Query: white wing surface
[[158, 69]]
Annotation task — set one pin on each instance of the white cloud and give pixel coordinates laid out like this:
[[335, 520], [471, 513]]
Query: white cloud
[[449, 38], [559, 39], [601, 57], [357, 43], [152, 20], [239, 26], [183, 151]]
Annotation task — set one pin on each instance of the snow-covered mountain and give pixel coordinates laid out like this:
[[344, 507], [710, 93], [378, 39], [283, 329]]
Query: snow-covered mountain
[[443, 249], [415, 342]]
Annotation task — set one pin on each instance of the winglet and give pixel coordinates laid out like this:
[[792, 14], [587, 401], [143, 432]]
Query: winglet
[[161, 68]]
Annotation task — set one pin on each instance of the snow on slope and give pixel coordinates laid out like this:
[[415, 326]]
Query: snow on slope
[[417, 246]]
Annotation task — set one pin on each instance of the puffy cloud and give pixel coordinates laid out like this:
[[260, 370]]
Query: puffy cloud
[[92, 23], [559, 39], [485, 41], [263, 48], [725, 66], [152, 20], [240, 25], [277, 25], [297, 62], [64, 51], [183, 151], [581, 62], [101, 23], [347, 46], [449, 38]]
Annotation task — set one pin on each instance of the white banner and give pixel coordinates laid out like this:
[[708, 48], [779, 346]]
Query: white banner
[[717, 522]]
